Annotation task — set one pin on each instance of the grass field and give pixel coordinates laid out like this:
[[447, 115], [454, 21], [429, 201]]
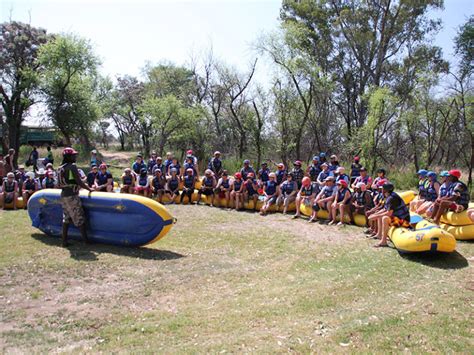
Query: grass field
[[224, 281]]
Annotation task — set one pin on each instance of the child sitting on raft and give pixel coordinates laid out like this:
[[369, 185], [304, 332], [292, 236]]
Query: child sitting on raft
[[324, 199], [251, 190], [422, 180], [341, 202], [393, 214], [208, 185], [288, 191], [172, 184], [361, 201], [457, 199], [128, 181], [158, 185], [189, 182], [223, 188], [305, 195], [271, 191], [379, 201], [432, 192], [237, 191], [29, 187], [143, 184]]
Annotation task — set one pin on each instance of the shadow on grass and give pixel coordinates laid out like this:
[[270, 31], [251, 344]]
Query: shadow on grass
[[452, 260], [89, 252]]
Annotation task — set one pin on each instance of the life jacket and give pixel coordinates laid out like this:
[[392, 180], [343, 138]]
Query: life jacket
[[364, 179], [298, 175], [48, 183], [189, 181], [379, 198], [208, 181], [316, 187], [460, 187], [263, 173], [237, 184], [355, 169], [343, 177], [136, 167], [9, 187], [307, 191], [280, 174], [158, 183], [29, 184], [244, 171], [142, 180], [341, 194], [444, 189], [431, 194], [215, 164], [360, 198], [314, 171], [288, 187], [66, 178], [329, 190], [173, 183], [323, 175], [401, 211], [249, 186], [127, 179], [225, 183], [91, 178], [102, 178], [333, 167], [160, 167], [271, 187], [151, 165], [175, 166], [422, 190]]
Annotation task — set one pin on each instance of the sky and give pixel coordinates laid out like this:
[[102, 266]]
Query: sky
[[128, 34]]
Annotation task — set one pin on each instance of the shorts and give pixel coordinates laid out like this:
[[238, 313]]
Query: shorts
[[142, 188], [174, 192], [316, 207], [398, 222], [9, 197], [73, 211], [456, 208], [272, 199], [207, 192]]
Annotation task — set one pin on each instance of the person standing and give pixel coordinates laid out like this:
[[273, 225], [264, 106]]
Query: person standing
[[9, 161], [49, 156], [69, 181], [33, 159], [215, 164]]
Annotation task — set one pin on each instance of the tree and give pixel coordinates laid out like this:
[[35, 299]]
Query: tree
[[19, 68], [68, 82]]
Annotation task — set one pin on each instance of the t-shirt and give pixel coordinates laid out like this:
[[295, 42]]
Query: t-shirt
[[395, 203], [102, 178], [136, 167]]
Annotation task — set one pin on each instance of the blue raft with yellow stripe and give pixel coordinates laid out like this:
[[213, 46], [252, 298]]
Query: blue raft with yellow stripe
[[117, 219]]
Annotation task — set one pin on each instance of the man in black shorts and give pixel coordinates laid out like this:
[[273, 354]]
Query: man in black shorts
[[69, 180]]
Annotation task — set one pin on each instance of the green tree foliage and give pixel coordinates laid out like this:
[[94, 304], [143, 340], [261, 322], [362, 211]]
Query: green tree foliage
[[19, 68], [69, 84], [464, 46]]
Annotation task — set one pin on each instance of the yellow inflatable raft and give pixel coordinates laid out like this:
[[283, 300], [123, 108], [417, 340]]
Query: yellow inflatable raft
[[460, 232], [19, 204], [457, 219], [426, 237]]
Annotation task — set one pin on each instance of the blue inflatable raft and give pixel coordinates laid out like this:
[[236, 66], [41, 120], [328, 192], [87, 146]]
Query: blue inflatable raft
[[118, 219]]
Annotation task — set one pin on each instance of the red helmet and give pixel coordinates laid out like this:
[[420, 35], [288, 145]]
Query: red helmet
[[342, 183], [297, 162], [102, 166], [69, 151], [189, 152], [250, 175], [382, 182], [238, 175], [356, 158], [306, 181], [456, 173]]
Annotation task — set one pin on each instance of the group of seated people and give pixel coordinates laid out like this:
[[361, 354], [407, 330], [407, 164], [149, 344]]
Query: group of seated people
[[25, 183], [323, 185]]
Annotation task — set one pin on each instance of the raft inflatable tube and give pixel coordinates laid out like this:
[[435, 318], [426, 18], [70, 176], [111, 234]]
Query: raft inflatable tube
[[407, 196], [323, 214], [457, 219], [19, 204], [194, 198], [426, 237], [460, 232], [117, 219]]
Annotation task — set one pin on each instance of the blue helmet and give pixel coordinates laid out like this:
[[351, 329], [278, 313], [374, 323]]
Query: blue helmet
[[444, 173], [432, 174], [422, 172], [316, 158], [322, 155]]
